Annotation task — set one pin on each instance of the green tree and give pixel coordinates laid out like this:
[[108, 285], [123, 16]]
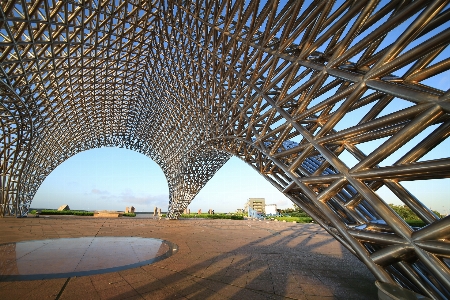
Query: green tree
[[294, 212], [406, 213]]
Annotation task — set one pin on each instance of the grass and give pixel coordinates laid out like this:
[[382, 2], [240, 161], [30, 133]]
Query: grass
[[415, 223], [214, 216], [297, 219]]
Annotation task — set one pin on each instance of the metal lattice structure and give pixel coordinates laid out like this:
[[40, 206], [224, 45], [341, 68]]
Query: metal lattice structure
[[289, 87]]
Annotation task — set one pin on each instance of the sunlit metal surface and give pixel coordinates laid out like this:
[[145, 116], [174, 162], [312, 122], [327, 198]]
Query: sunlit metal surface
[[290, 87]]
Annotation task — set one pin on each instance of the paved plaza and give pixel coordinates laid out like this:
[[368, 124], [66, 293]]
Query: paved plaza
[[216, 259]]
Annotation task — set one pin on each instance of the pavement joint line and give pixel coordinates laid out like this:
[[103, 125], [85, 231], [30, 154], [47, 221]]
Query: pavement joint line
[[230, 284], [62, 289]]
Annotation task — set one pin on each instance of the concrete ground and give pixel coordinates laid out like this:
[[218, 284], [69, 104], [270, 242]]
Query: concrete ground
[[217, 259]]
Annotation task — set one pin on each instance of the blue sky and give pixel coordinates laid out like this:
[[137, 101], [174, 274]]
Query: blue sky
[[114, 178]]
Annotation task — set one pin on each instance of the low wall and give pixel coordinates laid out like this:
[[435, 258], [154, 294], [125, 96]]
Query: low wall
[[107, 214]]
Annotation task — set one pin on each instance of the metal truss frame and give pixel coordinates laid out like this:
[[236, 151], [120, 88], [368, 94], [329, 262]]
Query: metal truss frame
[[293, 88]]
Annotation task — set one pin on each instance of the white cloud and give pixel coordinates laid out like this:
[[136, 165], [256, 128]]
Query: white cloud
[[284, 203], [156, 200], [99, 192], [141, 201]]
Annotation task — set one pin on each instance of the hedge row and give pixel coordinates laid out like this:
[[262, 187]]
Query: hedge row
[[413, 223], [64, 212], [214, 216]]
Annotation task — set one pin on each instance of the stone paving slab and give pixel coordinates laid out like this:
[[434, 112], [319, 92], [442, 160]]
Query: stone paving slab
[[216, 259]]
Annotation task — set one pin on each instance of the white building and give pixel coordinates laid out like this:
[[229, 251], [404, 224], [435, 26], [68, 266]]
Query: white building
[[271, 210]]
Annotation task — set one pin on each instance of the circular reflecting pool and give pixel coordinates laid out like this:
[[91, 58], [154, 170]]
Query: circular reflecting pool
[[67, 257]]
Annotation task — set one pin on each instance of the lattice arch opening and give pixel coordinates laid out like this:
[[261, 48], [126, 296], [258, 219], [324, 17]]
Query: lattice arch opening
[[304, 82]]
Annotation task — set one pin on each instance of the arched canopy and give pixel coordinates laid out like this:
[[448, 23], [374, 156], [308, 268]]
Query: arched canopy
[[291, 87]]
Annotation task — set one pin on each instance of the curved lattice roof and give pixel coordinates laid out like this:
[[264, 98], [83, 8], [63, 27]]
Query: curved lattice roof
[[290, 87]]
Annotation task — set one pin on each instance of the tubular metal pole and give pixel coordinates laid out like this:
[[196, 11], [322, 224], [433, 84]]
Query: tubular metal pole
[[291, 88]]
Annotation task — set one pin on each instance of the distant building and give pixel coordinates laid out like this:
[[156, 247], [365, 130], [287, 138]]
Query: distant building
[[240, 211], [271, 209], [64, 207], [129, 210], [257, 204]]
